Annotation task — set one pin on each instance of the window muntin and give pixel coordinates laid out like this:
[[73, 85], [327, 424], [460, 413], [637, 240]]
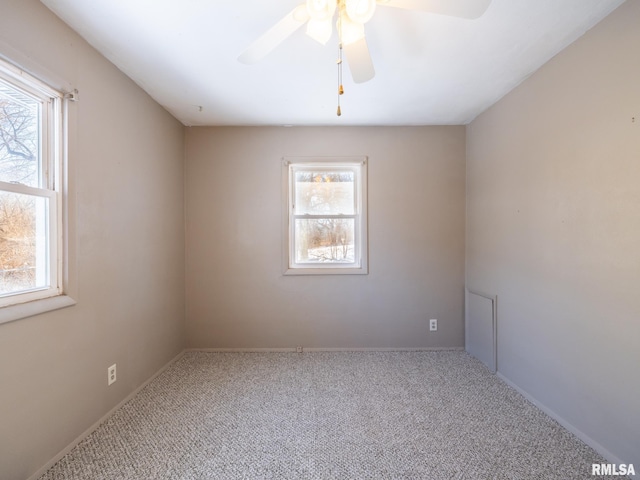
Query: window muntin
[[30, 188], [326, 216]]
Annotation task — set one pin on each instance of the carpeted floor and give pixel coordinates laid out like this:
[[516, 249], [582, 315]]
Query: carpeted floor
[[343, 415]]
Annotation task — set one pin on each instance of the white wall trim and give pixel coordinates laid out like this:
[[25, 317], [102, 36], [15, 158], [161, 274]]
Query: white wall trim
[[18, 311], [93, 427], [323, 349], [611, 458]]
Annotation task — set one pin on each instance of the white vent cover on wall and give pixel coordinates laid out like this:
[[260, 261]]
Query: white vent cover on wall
[[481, 327]]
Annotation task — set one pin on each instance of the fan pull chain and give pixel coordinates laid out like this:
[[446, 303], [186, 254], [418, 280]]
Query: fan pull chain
[[340, 87]]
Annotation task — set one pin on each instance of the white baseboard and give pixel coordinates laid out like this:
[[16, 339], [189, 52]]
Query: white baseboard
[[243, 350], [611, 458], [391, 349], [323, 349], [93, 427]]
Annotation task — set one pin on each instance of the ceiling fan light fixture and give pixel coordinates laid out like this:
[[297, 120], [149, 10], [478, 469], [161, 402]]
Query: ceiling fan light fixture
[[351, 17], [349, 31], [360, 11], [321, 9], [320, 30]]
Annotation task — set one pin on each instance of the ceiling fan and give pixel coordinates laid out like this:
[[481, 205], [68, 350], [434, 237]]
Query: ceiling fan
[[351, 16]]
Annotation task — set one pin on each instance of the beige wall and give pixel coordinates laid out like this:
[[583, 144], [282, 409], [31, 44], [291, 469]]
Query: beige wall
[[127, 244], [553, 228], [237, 296]]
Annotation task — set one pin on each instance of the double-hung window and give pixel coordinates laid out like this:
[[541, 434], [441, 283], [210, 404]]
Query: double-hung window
[[326, 215], [30, 188]]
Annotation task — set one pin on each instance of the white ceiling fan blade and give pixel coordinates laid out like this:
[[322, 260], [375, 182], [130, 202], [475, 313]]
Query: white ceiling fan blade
[[359, 61], [275, 35], [455, 8]]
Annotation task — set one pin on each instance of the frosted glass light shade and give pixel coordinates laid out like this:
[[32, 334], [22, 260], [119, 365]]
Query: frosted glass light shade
[[321, 9], [360, 11], [350, 31], [320, 30]]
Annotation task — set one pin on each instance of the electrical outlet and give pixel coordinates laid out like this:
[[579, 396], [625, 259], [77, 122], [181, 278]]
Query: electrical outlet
[[111, 374], [433, 325], [299, 349]]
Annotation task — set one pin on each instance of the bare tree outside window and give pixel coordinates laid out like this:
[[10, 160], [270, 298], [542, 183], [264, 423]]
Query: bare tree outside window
[[19, 164], [329, 194]]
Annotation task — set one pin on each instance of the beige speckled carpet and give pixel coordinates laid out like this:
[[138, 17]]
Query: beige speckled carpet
[[339, 415]]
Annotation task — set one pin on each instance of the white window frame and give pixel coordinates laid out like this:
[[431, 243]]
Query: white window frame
[[359, 166], [26, 303]]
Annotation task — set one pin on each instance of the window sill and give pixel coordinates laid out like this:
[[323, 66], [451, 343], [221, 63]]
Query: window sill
[[35, 307], [326, 271]]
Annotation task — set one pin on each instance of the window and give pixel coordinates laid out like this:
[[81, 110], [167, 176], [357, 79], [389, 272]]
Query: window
[[30, 189], [325, 215]]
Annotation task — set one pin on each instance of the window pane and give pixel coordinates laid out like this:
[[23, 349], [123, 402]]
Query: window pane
[[324, 240], [23, 242], [19, 136], [324, 192]]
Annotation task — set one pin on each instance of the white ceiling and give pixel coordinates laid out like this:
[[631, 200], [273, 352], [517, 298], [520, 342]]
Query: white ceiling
[[430, 69]]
